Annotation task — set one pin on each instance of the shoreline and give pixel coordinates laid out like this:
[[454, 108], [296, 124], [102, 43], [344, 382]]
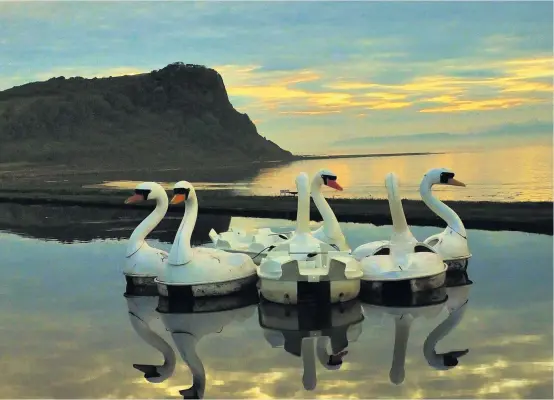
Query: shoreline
[[368, 155], [531, 217]]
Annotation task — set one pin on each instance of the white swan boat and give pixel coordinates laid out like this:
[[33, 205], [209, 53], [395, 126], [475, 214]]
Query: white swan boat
[[197, 272], [317, 334], [142, 310], [451, 243], [256, 243], [143, 262], [188, 323], [401, 264], [304, 268]]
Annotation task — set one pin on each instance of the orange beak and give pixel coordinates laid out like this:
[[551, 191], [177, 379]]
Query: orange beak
[[178, 198], [134, 199], [334, 184], [455, 182]]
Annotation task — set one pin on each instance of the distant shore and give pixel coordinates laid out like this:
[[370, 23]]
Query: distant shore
[[532, 217], [365, 155]]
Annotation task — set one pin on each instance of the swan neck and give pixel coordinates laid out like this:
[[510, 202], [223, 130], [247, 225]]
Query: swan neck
[[309, 378], [437, 334], [156, 341], [401, 335], [303, 209], [442, 210], [399, 223], [181, 250], [321, 349], [187, 347], [147, 225], [331, 225]]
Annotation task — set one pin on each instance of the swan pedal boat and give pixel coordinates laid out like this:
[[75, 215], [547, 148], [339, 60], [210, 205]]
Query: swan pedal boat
[[451, 244], [305, 269], [258, 242], [201, 272], [401, 264]]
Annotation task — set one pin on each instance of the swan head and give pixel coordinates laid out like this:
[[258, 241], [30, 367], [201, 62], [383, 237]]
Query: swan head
[[449, 360], [441, 176], [302, 181], [147, 191], [182, 191], [327, 178], [154, 373]]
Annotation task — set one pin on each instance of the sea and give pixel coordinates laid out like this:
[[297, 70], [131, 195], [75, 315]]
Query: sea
[[69, 331], [516, 174]]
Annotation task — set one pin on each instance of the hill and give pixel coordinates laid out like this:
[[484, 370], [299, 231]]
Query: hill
[[179, 115]]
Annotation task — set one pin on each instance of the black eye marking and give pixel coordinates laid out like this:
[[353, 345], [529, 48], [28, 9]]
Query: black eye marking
[[143, 192], [445, 176], [327, 177], [184, 191]]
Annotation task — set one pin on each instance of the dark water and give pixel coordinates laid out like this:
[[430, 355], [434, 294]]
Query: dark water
[[66, 331]]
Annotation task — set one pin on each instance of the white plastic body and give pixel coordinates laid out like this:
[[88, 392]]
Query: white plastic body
[[220, 272], [290, 262], [451, 244], [258, 240], [142, 260], [402, 262], [146, 262]]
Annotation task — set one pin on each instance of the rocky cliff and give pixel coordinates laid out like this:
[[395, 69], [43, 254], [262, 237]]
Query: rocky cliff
[[176, 116]]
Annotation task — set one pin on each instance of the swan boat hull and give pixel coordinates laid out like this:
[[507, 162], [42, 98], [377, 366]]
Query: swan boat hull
[[187, 292], [457, 264], [373, 289], [327, 279], [140, 285], [304, 292]]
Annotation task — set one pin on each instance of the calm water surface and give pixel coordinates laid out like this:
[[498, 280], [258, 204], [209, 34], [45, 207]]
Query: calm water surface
[[66, 330], [516, 174]]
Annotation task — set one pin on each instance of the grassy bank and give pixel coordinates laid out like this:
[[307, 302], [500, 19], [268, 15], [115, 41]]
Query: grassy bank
[[533, 217]]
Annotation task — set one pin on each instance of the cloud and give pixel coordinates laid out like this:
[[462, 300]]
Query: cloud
[[307, 67], [524, 131], [518, 82]]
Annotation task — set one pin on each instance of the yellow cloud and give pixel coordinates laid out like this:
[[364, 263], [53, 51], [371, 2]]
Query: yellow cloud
[[310, 112], [479, 105], [279, 91]]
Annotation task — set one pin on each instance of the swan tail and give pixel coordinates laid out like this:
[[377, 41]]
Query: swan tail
[[399, 223], [213, 236]]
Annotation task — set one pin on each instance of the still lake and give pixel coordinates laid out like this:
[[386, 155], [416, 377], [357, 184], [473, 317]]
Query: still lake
[[513, 174], [66, 329]]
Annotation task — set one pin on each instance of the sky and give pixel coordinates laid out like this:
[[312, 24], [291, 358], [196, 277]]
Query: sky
[[318, 77]]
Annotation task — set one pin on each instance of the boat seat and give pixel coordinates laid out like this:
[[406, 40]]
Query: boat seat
[[290, 272]]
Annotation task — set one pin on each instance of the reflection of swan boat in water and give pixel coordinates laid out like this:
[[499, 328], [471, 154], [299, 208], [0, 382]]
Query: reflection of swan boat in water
[[458, 297], [189, 322], [142, 310], [312, 332], [454, 299]]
